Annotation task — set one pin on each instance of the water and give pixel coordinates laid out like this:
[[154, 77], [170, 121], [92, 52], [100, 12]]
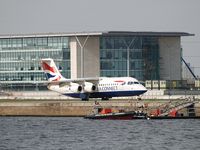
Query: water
[[60, 133]]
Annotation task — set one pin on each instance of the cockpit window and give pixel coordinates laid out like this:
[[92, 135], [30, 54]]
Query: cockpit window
[[132, 83]]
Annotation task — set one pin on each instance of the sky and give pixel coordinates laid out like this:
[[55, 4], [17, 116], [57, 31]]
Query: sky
[[45, 16]]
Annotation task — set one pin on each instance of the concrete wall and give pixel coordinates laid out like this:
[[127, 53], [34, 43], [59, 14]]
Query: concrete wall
[[91, 64], [73, 108], [170, 58]]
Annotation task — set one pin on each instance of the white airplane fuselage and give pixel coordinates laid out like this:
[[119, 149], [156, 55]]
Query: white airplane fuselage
[[106, 88], [86, 88]]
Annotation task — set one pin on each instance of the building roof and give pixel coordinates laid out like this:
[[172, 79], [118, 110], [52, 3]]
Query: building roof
[[160, 34], [104, 33]]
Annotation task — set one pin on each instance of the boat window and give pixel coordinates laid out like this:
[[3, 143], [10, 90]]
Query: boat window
[[136, 83]]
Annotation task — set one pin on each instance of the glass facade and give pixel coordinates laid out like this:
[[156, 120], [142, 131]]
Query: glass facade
[[20, 57], [133, 56]]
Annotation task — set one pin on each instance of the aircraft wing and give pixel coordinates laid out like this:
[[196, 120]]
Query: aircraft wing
[[80, 81]]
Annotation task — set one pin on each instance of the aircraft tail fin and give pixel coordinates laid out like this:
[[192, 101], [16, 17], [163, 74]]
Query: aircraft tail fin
[[50, 69]]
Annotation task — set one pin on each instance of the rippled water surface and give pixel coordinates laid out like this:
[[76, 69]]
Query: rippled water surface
[[60, 133]]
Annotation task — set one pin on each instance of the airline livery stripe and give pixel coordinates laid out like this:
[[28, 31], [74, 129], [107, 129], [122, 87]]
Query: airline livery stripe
[[119, 81], [47, 67], [50, 75], [57, 79]]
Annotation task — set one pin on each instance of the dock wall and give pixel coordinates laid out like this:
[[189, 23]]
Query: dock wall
[[71, 108]]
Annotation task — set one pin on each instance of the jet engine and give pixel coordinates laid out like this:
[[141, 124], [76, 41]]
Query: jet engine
[[89, 87], [76, 88]]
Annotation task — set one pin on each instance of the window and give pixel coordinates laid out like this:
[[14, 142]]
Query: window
[[143, 56]]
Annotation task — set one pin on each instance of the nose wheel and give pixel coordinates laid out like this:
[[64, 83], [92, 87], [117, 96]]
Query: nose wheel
[[139, 98]]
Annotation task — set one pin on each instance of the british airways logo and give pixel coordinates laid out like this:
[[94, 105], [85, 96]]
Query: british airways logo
[[50, 72], [47, 67], [50, 75], [119, 81]]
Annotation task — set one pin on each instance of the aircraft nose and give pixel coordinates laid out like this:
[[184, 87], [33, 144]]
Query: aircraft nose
[[144, 89]]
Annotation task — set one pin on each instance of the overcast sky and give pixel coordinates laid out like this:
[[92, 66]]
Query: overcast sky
[[43, 16]]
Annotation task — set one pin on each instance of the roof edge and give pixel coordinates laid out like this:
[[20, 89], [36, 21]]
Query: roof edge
[[105, 33], [148, 33]]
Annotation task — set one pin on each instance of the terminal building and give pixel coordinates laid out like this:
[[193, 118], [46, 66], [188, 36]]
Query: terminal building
[[143, 55]]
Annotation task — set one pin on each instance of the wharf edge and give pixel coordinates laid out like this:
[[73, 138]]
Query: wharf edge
[[73, 108]]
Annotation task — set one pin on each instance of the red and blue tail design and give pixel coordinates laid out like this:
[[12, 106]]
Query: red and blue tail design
[[51, 70]]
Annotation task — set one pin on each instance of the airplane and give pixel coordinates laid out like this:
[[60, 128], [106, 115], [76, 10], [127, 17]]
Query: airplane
[[85, 88]]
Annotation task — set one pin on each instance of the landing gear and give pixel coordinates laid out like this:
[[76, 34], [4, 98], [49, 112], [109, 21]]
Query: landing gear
[[139, 98], [84, 96], [85, 99], [105, 98]]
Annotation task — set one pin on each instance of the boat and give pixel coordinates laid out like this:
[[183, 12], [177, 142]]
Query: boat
[[107, 114]]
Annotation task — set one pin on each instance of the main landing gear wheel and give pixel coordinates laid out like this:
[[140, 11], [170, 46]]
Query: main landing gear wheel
[[105, 99], [85, 99]]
